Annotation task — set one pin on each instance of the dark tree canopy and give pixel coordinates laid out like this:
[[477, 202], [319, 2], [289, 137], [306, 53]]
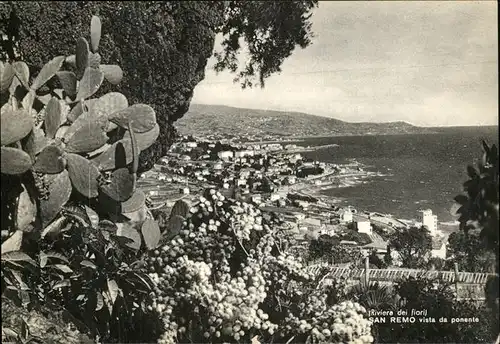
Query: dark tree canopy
[[413, 245], [270, 29]]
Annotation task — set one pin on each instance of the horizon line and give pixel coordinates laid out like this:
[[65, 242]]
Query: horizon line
[[360, 122]]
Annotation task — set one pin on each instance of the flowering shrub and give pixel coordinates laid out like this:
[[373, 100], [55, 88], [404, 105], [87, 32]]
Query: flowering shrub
[[225, 278]]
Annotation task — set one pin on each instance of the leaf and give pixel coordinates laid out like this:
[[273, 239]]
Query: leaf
[[113, 290], [112, 158], [13, 243], [180, 208], [112, 73], [93, 217], [22, 72], [83, 175], [142, 116], [17, 256], [60, 189], [175, 225], [95, 33], [90, 83], [135, 149], [53, 119], [116, 156], [61, 132], [62, 284], [88, 264], [127, 231], [28, 101], [109, 103], [63, 268], [45, 256], [6, 75], [25, 332], [14, 161], [82, 54], [122, 185], [47, 72], [68, 81], [50, 160], [134, 203], [151, 233], [87, 133], [55, 227], [100, 301], [26, 210], [36, 142], [75, 112], [14, 126], [87, 139]]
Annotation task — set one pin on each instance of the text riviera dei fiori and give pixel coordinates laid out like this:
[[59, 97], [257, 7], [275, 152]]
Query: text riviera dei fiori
[[420, 316]]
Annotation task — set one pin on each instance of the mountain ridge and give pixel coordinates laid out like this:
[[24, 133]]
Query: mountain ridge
[[204, 119]]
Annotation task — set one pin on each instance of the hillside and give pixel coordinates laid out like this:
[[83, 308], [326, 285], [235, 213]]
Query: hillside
[[228, 121]]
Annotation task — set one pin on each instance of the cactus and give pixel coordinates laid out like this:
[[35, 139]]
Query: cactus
[[142, 116], [82, 55], [89, 84], [112, 73], [180, 208], [95, 33], [65, 144], [83, 175], [6, 76], [14, 161], [68, 81], [59, 193], [15, 125], [175, 224], [50, 160], [53, 117], [47, 72]]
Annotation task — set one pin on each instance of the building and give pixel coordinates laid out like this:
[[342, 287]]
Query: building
[[364, 227], [274, 197], [257, 198], [346, 216], [439, 248], [225, 155], [243, 153], [191, 144], [427, 219], [184, 191]]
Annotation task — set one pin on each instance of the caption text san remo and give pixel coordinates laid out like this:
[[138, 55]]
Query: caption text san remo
[[402, 316]]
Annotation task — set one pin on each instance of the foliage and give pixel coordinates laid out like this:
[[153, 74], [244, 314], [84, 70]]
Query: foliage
[[479, 221], [413, 246], [271, 30], [329, 249], [78, 223], [225, 278], [479, 207], [467, 250], [440, 302]]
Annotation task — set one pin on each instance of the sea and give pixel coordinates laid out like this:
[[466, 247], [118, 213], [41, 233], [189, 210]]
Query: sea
[[413, 171]]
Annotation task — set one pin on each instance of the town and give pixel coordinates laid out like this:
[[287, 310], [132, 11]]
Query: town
[[276, 178]]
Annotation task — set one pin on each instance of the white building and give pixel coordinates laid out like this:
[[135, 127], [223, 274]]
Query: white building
[[274, 197], [364, 227], [185, 191], [257, 199], [191, 144], [439, 249], [346, 216], [225, 155], [243, 153], [427, 219]]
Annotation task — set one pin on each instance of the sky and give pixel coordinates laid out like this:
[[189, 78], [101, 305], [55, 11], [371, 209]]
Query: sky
[[429, 63]]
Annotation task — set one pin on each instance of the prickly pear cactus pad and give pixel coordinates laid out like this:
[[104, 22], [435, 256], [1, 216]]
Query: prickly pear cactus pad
[[222, 278], [61, 136]]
